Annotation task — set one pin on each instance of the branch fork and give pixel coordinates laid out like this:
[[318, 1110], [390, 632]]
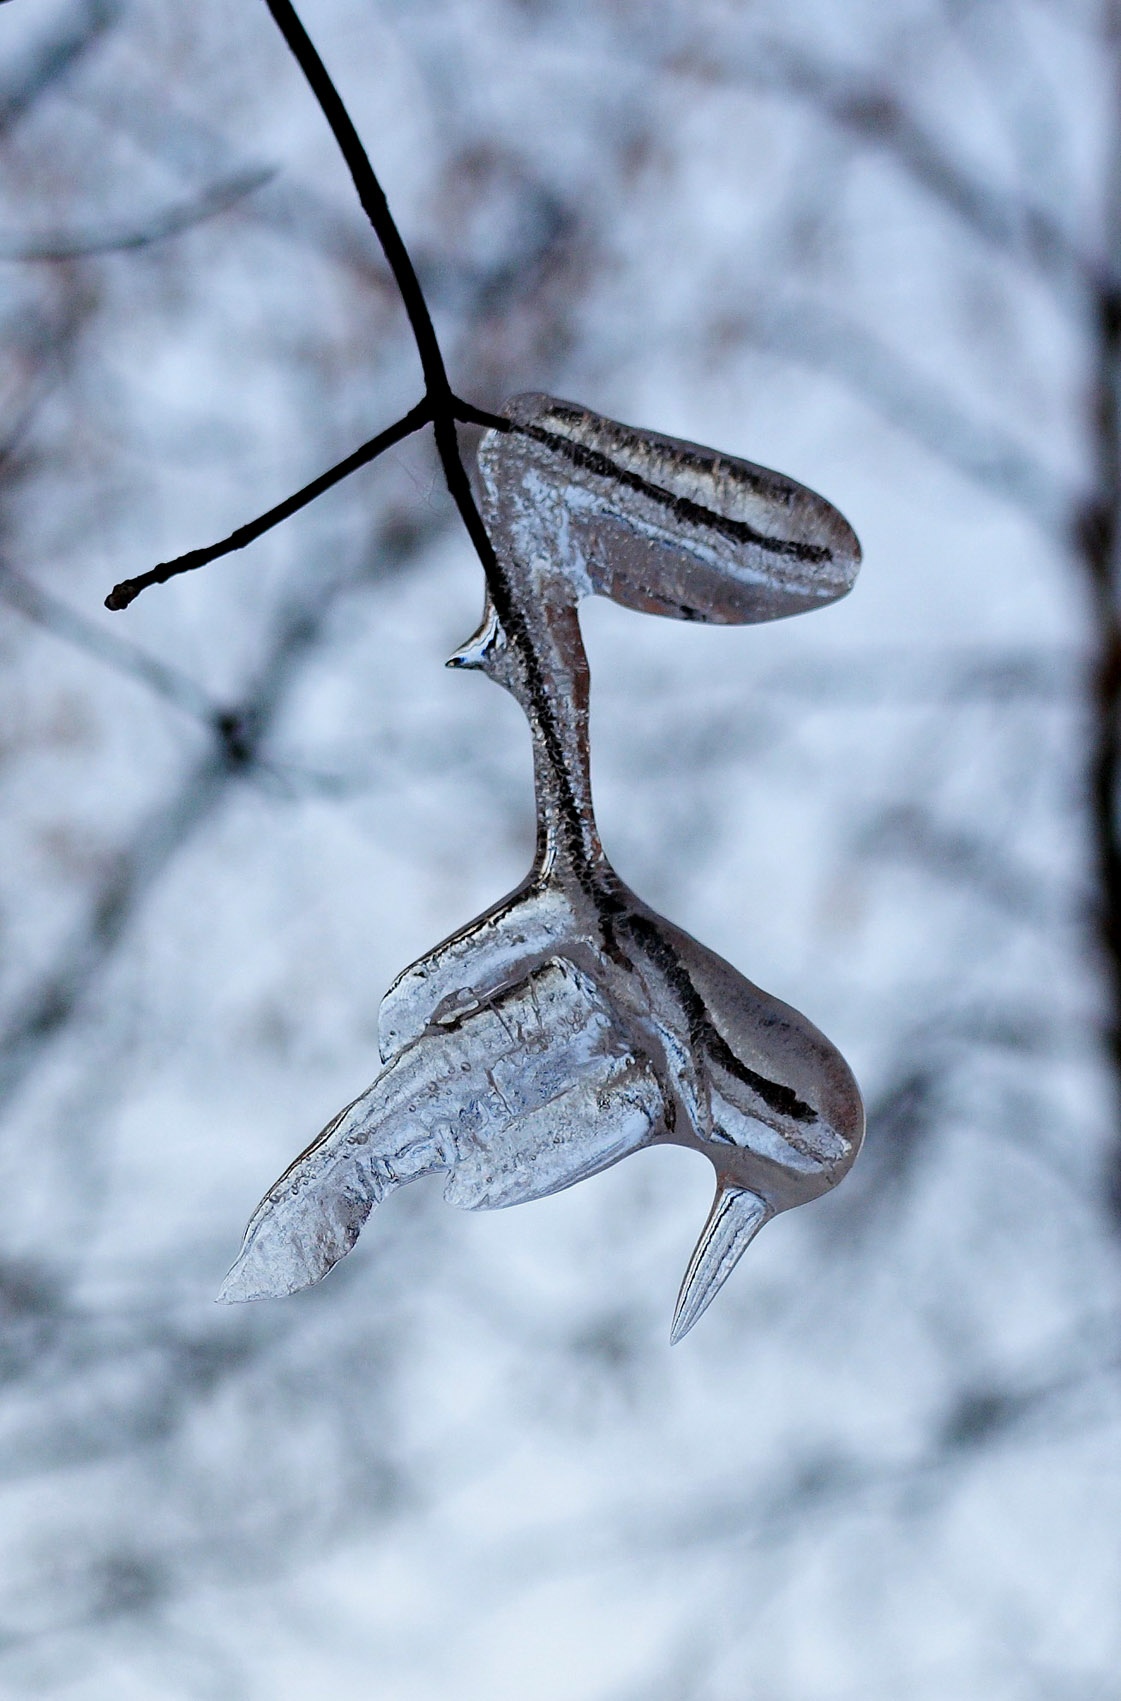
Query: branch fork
[[440, 407]]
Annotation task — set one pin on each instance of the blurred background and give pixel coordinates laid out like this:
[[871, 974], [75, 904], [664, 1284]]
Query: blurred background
[[868, 244]]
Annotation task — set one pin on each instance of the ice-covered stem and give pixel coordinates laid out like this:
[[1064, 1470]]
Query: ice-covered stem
[[566, 824], [556, 704], [559, 680]]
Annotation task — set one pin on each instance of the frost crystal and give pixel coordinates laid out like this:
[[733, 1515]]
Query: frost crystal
[[570, 1025]]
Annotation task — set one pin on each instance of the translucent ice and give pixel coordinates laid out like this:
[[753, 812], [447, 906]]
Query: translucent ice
[[570, 1025]]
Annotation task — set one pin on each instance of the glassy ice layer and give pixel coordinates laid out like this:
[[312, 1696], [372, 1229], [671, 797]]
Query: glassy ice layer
[[570, 1025]]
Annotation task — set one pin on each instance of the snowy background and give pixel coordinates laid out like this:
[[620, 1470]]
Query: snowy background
[[837, 237]]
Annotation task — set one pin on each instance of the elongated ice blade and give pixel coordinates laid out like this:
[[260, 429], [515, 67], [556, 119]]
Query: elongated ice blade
[[517, 1096], [312, 1216], [308, 1220], [736, 1217], [658, 524]]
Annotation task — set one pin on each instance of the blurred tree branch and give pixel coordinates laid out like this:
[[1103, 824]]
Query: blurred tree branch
[[158, 227], [868, 111], [55, 58]]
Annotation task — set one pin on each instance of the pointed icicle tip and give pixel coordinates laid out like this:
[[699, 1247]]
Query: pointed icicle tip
[[736, 1217], [485, 646]]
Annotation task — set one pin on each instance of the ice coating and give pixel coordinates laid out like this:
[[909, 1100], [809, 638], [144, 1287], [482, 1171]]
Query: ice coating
[[569, 1025], [664, 526]]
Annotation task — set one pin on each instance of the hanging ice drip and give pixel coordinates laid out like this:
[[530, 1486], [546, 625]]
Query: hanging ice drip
[[570, 1025]]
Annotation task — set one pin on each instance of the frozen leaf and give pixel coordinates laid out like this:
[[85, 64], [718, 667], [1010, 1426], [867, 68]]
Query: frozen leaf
[[570, 1025], [660, 525]]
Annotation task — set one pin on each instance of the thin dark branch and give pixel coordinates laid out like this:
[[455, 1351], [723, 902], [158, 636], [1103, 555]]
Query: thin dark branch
[[1099, 538], [471, 415], [441, 407], [445, 407], [171, 221], [128, 589], [370, 194]]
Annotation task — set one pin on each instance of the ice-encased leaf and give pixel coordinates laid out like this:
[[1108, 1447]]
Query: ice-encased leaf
[[569, 1025], [518, 1097], [565, 1093], [658, 524]]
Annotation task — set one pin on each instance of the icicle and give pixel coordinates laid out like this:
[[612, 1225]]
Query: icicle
[[736, 1217]]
